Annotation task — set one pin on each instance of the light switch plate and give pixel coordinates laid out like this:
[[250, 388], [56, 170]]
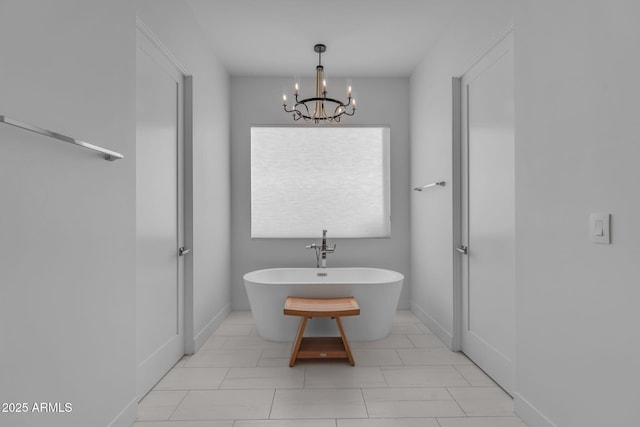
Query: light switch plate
[[599, 228]]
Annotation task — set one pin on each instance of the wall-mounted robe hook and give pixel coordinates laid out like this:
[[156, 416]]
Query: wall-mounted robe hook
[[433, 184]]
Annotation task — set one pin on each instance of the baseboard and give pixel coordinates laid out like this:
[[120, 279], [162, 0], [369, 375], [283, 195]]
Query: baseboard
[[528, 413], [444, 335], [201, 336], [127, 416]]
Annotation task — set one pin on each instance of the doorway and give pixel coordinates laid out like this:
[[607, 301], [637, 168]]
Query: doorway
[[485, 196], [160, 218]]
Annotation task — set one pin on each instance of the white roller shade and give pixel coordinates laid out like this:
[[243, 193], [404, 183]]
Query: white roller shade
[[306, 179]]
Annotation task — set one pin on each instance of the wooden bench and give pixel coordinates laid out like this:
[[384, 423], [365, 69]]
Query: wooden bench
[[321, 347]]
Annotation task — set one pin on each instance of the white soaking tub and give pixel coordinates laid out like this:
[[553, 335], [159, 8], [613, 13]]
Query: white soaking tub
[[376, 290]]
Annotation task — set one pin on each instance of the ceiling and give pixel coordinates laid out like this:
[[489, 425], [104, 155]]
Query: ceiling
[[364, 38]]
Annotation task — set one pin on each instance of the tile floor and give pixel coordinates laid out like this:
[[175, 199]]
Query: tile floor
[[409, 379]]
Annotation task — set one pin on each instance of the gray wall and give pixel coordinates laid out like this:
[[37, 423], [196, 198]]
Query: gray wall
[[67, 223], [67, 217], [431, 158], [257, 101], [174, 24], [577, 359], [577, 151]]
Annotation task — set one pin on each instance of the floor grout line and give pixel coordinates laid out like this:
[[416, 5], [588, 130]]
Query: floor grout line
[[273, 399], [178, 405], [364, 401]]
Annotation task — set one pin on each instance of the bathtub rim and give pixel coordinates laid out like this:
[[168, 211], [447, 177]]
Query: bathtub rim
[[391, 276]]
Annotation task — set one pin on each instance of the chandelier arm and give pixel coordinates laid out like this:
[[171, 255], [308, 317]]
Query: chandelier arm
[[296, 113], [308, 118], [315, 98], [322, 114], [337, 112], [308, 115]]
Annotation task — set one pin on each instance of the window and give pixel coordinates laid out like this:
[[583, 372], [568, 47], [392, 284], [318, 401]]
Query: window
[[306, 179]]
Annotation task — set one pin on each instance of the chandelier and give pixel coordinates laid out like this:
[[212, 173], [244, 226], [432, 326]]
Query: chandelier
[[320, 108]]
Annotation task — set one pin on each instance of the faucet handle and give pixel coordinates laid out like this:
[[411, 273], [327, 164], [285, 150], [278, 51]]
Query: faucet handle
[[311, 246]]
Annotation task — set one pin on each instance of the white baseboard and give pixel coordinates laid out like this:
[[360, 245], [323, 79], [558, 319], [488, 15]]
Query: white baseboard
[[201, 336], [531, 416], [127, 416], [444, 335]]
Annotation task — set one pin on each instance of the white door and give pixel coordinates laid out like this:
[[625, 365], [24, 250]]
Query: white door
[[488, 220], [159, 222]]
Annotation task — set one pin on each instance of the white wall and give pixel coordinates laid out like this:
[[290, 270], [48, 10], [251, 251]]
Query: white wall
[[67, 217], [258, 101], [431, 158], [577, 151], [174, 24]]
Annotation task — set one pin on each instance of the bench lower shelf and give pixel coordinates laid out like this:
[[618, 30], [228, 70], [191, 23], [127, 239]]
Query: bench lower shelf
[[322, 348]]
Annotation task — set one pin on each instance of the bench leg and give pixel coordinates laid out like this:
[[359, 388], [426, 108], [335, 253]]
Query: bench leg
[[345, 342], [298, 341]]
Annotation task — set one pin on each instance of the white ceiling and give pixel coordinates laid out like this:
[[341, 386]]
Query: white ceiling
[[364, 38]]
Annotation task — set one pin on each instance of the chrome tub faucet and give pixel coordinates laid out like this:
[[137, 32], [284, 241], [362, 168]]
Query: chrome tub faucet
[[322, 251]]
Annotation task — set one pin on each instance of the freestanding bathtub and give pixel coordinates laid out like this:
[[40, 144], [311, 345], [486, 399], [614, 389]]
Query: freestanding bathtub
[[376, 290]]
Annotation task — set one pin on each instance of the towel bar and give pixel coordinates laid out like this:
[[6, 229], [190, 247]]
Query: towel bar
[[433, 184], [108, 154]]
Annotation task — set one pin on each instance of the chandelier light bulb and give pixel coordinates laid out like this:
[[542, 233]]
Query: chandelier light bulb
[[284, 100]]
